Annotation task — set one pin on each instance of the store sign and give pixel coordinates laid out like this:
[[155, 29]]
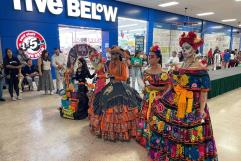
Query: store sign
[[32, 42], [139, 43], [75, 8]]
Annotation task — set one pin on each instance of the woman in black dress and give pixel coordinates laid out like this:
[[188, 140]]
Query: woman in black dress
[[81, 74]]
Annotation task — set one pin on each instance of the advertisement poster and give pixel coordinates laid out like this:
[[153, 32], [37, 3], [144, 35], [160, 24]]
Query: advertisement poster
[[32, 42], [236, 42], [139, 43], [220, 40]]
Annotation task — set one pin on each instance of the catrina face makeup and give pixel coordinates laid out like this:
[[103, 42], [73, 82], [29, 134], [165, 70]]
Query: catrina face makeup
[[187, 50]]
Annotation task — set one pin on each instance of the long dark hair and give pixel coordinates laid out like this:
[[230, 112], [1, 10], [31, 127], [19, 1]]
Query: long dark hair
[[6, 52], [84, 65], [43, 56], [159, 55]]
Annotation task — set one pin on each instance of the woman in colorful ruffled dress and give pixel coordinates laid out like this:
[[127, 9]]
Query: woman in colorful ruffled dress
[[180, 125], [157, 83], [114, 111]]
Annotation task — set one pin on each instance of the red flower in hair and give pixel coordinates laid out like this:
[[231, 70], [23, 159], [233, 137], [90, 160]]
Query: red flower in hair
[[192, 39], [94, 55], [155, 49]]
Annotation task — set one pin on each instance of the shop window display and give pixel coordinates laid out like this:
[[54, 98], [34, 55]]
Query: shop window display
[[72, 36], [236, 41], [167, 36], [128, 30], [222, 40]]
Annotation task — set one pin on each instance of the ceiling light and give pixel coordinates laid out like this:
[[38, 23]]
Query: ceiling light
[[229, 20], [172, 19], [239, 25], [129, 19], [217, 27], [238, 0], [168, 4], [205, 14], [130, 25]]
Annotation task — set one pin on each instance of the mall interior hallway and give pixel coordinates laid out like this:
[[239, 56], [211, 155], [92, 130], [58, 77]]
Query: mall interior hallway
[[31, 130]]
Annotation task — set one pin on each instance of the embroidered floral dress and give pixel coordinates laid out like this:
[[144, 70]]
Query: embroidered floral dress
[[157, 80], [113, 112], [178, 131]]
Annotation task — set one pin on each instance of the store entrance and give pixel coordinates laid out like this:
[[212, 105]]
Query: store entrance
[[70, 36], [132, 34]]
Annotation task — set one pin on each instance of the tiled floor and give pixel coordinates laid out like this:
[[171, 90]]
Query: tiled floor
[[31, 130]]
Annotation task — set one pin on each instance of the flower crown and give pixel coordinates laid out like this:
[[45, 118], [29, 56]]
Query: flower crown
[[192, 39], [156, 49], [94, 55]]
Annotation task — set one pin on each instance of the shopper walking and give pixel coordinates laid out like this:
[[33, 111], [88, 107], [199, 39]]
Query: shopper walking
[[226, 58], [44, 68], [232, 61], [1, 83], [12, 70], [210, 56], [217, 61], [136, 66], [59, 63], [216, 50]]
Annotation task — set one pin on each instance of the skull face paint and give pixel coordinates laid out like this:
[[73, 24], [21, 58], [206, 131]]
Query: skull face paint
[[187, 50]]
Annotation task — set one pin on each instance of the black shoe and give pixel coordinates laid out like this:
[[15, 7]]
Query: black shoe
[[3, 100]]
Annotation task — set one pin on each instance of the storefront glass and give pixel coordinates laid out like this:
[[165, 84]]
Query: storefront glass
[[129, 30], [236, 39], [70, 36], [216, 36], [167, 37]]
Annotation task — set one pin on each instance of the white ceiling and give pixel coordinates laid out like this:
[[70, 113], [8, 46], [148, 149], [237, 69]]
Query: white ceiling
[[223, 9]]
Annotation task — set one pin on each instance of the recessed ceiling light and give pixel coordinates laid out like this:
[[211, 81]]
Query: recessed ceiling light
[[168, 4], [172, 19], [238, 0], [205, 14], [217, 27], [229, 20]]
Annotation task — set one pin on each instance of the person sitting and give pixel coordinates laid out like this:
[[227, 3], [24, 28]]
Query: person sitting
[[30, 73]]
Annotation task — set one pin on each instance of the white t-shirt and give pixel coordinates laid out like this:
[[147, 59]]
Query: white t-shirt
[[173, 60], [58, 60], [46, 65]]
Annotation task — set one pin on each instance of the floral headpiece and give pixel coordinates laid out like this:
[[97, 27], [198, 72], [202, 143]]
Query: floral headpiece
[[94, 55], [156, 49], [192, 39]]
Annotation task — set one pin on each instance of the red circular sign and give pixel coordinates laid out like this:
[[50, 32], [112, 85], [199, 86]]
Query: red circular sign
[[32, 42]]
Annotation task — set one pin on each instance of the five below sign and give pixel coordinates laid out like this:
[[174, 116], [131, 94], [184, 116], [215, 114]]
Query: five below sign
[[75, 8]]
